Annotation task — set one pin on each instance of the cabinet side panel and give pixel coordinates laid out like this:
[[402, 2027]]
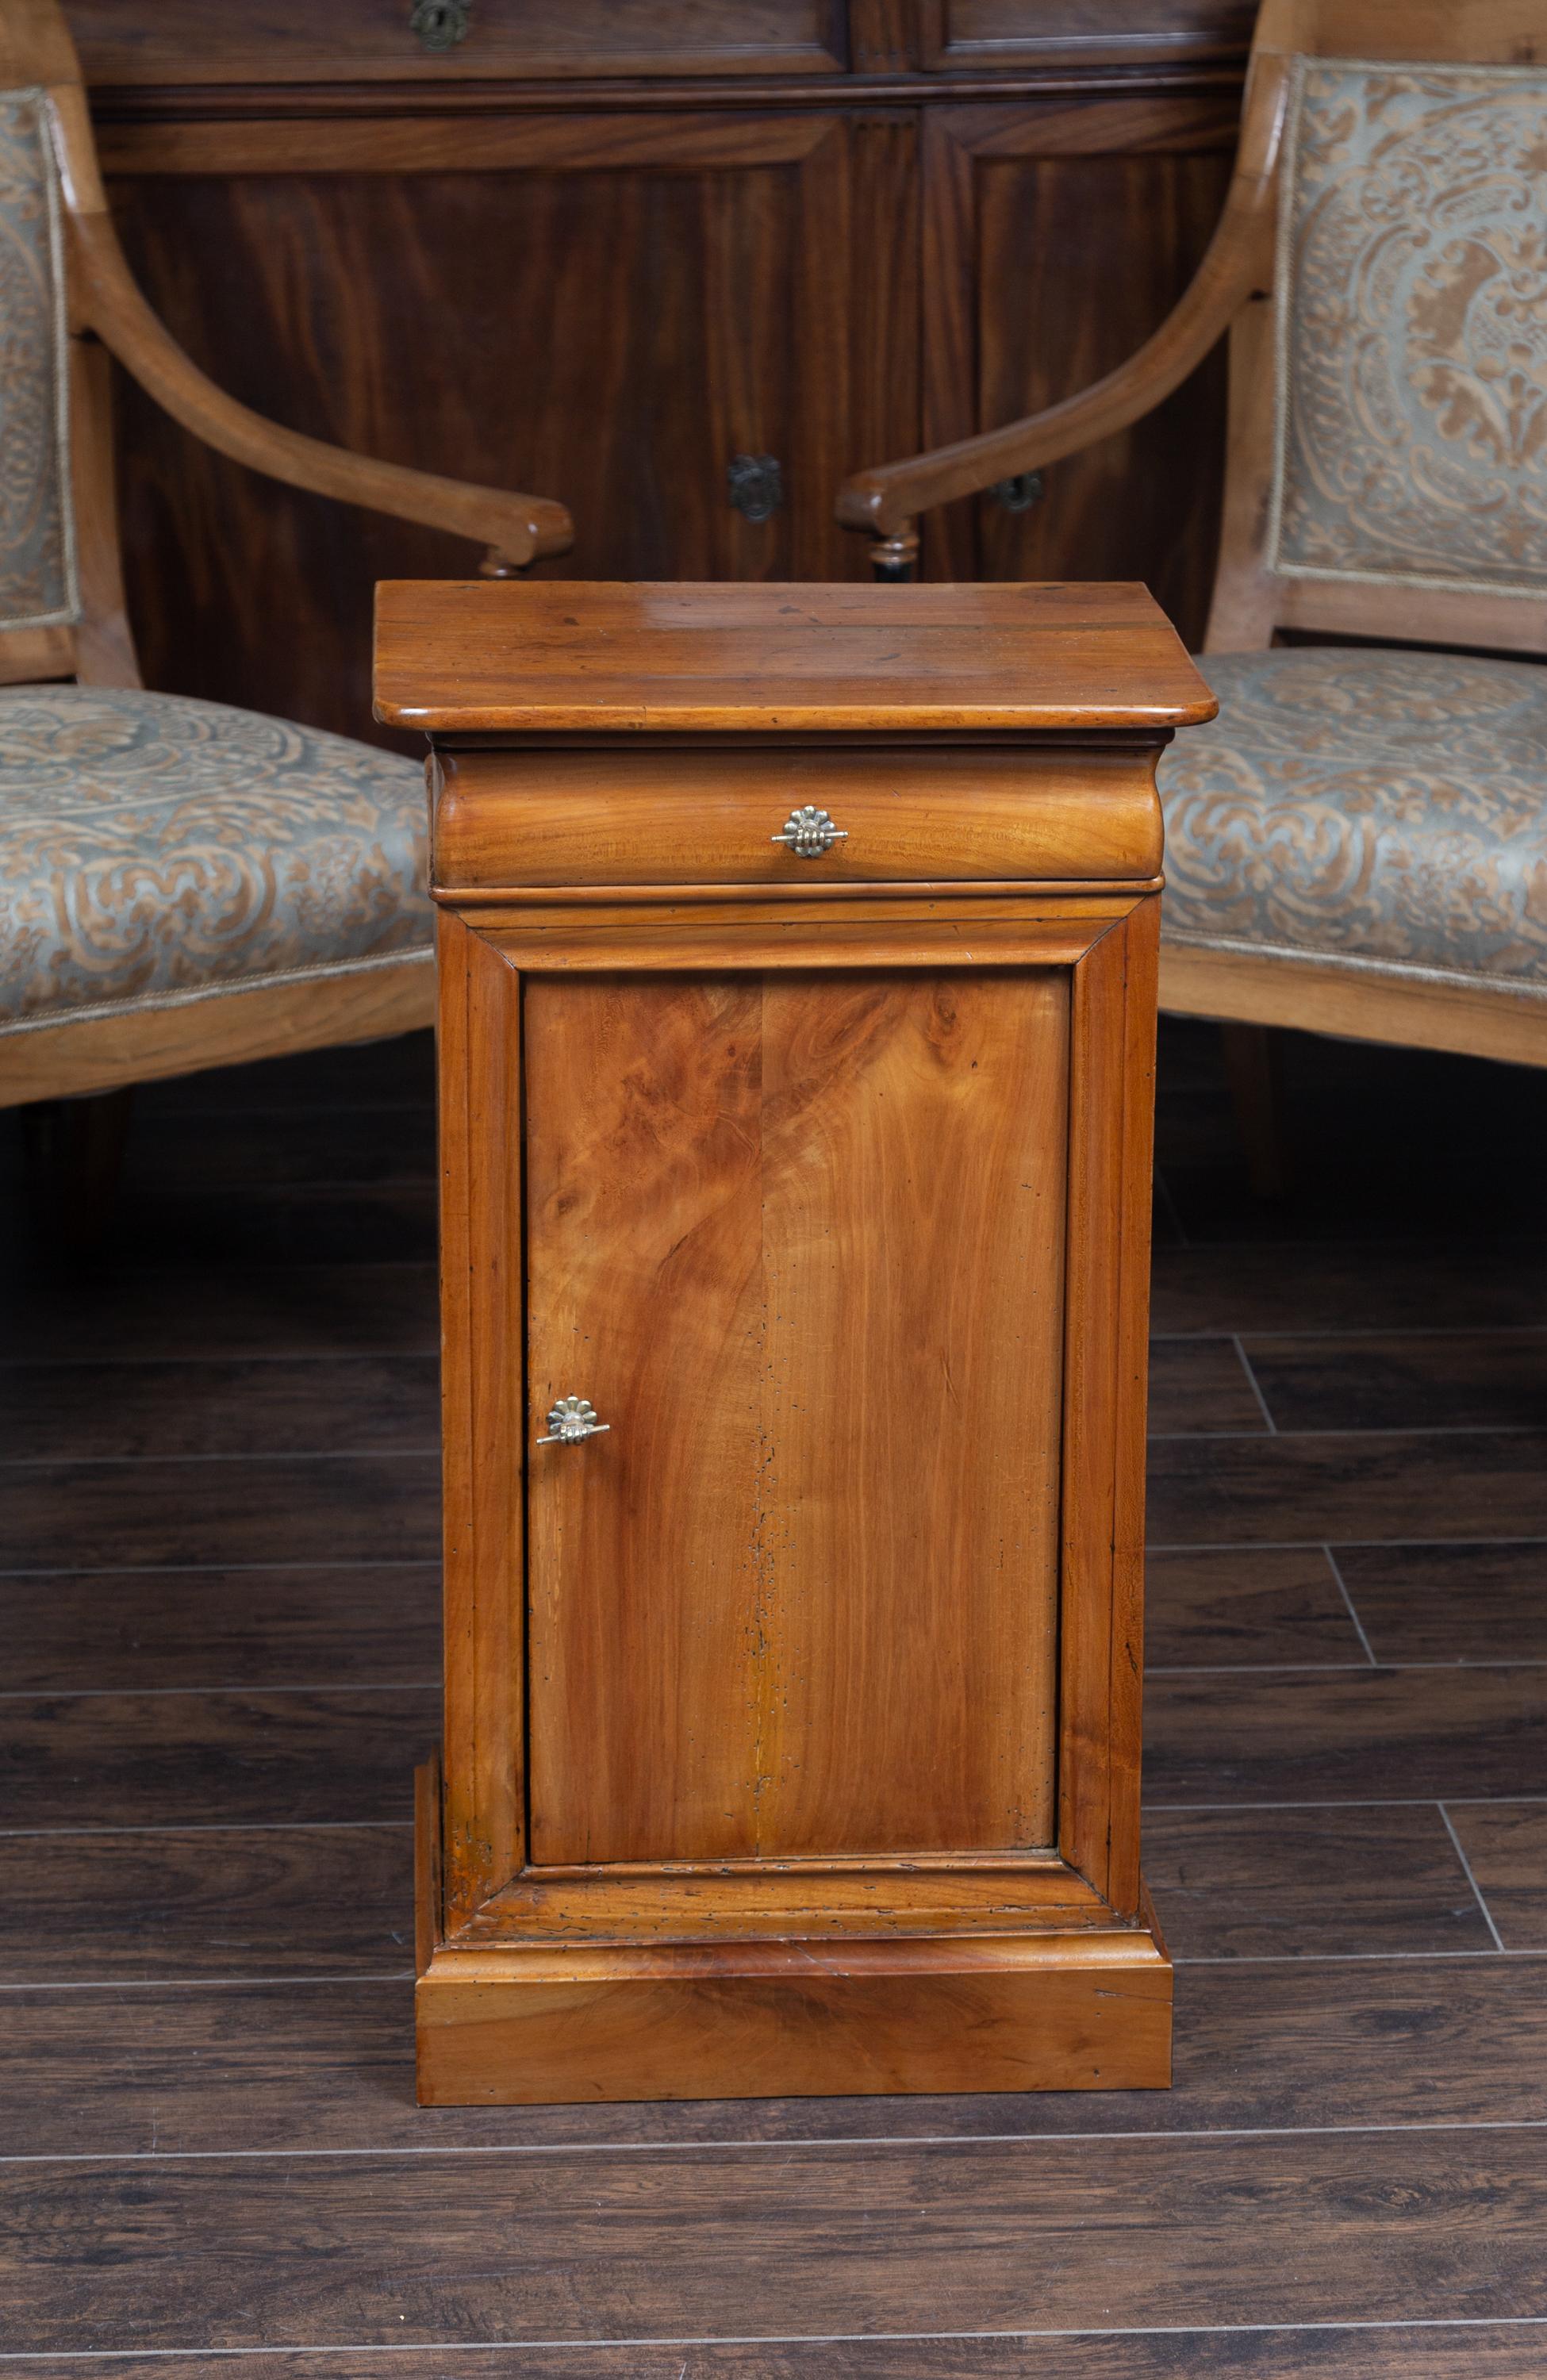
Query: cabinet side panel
[[803, 1237], [1111, 1145], [479, 1057]]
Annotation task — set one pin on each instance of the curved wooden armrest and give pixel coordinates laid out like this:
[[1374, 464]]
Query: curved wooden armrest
[[515, 528], [1237, 263]]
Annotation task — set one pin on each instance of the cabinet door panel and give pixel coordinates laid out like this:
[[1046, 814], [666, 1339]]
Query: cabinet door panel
[[800, 1240], [1059, 235], [606, 310]]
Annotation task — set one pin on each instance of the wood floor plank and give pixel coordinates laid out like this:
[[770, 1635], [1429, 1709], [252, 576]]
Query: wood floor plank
[[167, 1514], [1427, 2351], [1506, 1849], [971, 2235], [221, 1310], [1250, 1883], [212, 1901], [1249, 1604], [1450, 1603], [1398, 1485], [293, 2066], [252, 1758], [1199, 1384], [1345, 1736], [1446, 1380], [371, 1623], [1458, 1283], [92, 1410]]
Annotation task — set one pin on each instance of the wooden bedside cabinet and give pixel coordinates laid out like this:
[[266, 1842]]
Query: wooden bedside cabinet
[[796, 1029]]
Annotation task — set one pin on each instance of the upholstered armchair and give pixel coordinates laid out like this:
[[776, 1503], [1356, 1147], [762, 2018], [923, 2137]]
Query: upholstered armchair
[[182, 884], [1358, 844]]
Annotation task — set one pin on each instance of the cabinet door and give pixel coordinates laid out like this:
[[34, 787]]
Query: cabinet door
[[1058, 236], [604, 308], [799, 1239]]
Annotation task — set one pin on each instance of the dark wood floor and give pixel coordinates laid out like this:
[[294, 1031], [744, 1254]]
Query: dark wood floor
[[220, 1641]]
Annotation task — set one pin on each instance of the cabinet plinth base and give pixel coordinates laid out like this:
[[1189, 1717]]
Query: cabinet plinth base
[[516, 2023]]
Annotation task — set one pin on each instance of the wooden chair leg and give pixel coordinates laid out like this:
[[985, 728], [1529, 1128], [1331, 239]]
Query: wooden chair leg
[[1254, 1069], [895, 558], [75, 1155]]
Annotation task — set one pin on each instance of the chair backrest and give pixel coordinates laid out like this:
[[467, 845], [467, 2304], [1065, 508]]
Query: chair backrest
[[61, 582], [39, 578], [1387, 473]]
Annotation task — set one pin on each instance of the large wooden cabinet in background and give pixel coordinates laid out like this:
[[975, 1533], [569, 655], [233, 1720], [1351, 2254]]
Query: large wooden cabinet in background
[[796, 1027], [602, 250]]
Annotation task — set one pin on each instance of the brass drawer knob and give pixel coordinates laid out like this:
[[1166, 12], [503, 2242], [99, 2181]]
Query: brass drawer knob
[[810, 833], [570, 1420]]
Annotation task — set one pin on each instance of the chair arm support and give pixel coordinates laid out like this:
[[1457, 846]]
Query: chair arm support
[[515, 528], [1238, 262]]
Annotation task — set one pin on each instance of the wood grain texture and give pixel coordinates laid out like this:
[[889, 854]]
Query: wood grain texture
[[479, 1103], [762, 2020], [166, 1513], [821, 2240], [797, 1176], [1475, 2349], [74, 1413], [1246, 1606], [370, 1623], [303, 2065], [1101, 1649], [1450, 1603], [960, 928], [99, 1053], [705, 287], [1506, 1845], [1376, 1735], [1327, 1883], [1295, 2050], [876, 1898], [459, 657], [283, 41], [1200, 1385], [1454, 1381], [1014, 195], [779, 1303], [1380, 1484], [1308, 997], [1006, 33], [695, 818], [210, 1902], [318, 1755]]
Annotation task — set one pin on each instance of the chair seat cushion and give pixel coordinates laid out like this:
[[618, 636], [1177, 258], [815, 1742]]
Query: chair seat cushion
[[154, 849], [1374, 808]]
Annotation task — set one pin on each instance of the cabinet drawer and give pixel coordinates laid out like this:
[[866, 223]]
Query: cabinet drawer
[[294, 41], [676, 816]]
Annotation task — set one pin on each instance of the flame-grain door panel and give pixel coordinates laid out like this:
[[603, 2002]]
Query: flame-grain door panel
[[800, 1240]]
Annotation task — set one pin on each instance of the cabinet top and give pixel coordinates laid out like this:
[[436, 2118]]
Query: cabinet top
[[591, 656]]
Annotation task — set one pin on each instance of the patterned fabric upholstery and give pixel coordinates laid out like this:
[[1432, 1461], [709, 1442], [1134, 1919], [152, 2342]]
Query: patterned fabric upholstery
[[1380, 808], [37, 535], [1412, 320], [154, 849]]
